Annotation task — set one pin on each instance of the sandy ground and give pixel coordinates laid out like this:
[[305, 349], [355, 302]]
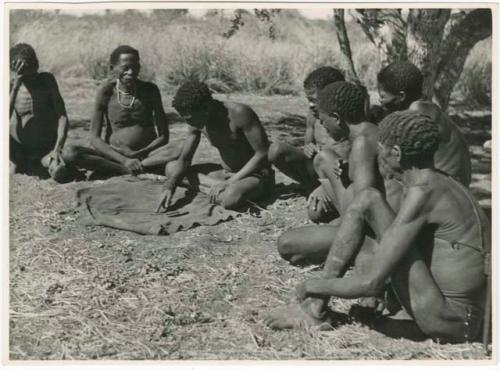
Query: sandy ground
[[96, 293]]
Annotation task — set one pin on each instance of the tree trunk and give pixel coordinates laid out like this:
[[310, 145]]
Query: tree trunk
[[462, 32], [423, 41], [345, 45], [386, 28]]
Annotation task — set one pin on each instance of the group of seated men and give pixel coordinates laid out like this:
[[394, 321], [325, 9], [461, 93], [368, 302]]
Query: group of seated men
[[388, 199]]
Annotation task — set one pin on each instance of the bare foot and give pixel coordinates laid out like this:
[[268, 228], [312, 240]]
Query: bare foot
[[12, 168], [294, 316], [377, 304]]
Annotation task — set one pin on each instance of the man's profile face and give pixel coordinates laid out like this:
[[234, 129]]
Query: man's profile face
[[334, 125], [196, 119], [389, 101], [388, 161], [312, 97], [127, 69]]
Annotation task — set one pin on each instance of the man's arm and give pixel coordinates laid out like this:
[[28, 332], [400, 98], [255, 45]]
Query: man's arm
[[363, 165], [309, 135], [15, 84], [247, 120], [180, 165], [13, 95], [395, 243], [60, 109], [161, 124]]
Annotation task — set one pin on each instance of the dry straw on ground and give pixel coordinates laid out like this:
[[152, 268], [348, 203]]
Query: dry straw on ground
[[98, 293]]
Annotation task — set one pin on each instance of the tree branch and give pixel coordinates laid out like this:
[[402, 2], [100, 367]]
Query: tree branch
[[461, 33], [345, 45], [425, 30], [385, 28]]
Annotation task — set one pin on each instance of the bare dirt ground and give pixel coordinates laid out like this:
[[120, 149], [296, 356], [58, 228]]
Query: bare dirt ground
[[96, 293]]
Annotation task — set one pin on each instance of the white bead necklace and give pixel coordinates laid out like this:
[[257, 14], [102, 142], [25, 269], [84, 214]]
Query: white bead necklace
[[119, 91]]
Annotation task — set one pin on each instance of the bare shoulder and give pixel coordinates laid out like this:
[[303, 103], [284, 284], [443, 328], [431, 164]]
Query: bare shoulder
[[47, 77], [425, 107], [106, 89], [148, 87], [310, 119], [241, 114], [367, 141], [48, 80], [418, 199]]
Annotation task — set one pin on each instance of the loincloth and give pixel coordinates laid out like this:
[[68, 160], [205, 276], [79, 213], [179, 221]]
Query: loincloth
[[471, 313]]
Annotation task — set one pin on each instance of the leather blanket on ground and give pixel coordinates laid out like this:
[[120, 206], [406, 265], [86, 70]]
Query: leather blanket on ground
[[129, 203]]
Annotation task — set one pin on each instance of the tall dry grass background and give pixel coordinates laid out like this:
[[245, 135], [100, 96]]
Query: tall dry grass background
[[175, 46]]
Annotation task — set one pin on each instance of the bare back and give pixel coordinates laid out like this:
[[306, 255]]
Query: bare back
[[363, 165], [452, 156], [455, 238]]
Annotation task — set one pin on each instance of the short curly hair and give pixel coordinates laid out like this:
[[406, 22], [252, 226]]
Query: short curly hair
[[321, 77], [402, 76], [122, 49], [24, 52], [416, 134], [191, 97], [345, 99]]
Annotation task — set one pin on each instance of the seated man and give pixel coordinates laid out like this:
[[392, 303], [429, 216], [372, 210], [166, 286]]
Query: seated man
[[400, 88], [236, 132], [38, 119], [297, 163], [433, 248], [131, 108], [341, 111]]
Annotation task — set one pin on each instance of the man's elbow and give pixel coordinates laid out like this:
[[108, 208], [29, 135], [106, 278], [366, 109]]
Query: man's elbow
[[95, 141], [372, 286], [63, 120], [261, 155], [163, 139]]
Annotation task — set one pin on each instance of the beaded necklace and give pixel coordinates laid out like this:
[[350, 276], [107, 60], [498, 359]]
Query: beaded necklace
[[119, 91]]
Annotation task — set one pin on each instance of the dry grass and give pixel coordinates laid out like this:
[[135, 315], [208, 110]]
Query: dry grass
[[176, 47], [97, 293], [181, 48]]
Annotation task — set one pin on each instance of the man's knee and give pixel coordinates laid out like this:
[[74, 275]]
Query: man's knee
[[276, 151], [367, 198], [320, 215], [71, 154], [323, 159], [231, 199], [171, 168], [285, 245]]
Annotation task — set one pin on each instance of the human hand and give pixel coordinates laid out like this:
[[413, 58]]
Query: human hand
[[57, 155], [301, 291], [318, 199], [17, 67], [215, 190], [310, 150], [337, 169], [133, 165], [165, 199], [124, 150]]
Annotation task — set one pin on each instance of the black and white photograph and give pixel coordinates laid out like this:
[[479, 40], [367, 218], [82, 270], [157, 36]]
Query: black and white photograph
[[249, 182]]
